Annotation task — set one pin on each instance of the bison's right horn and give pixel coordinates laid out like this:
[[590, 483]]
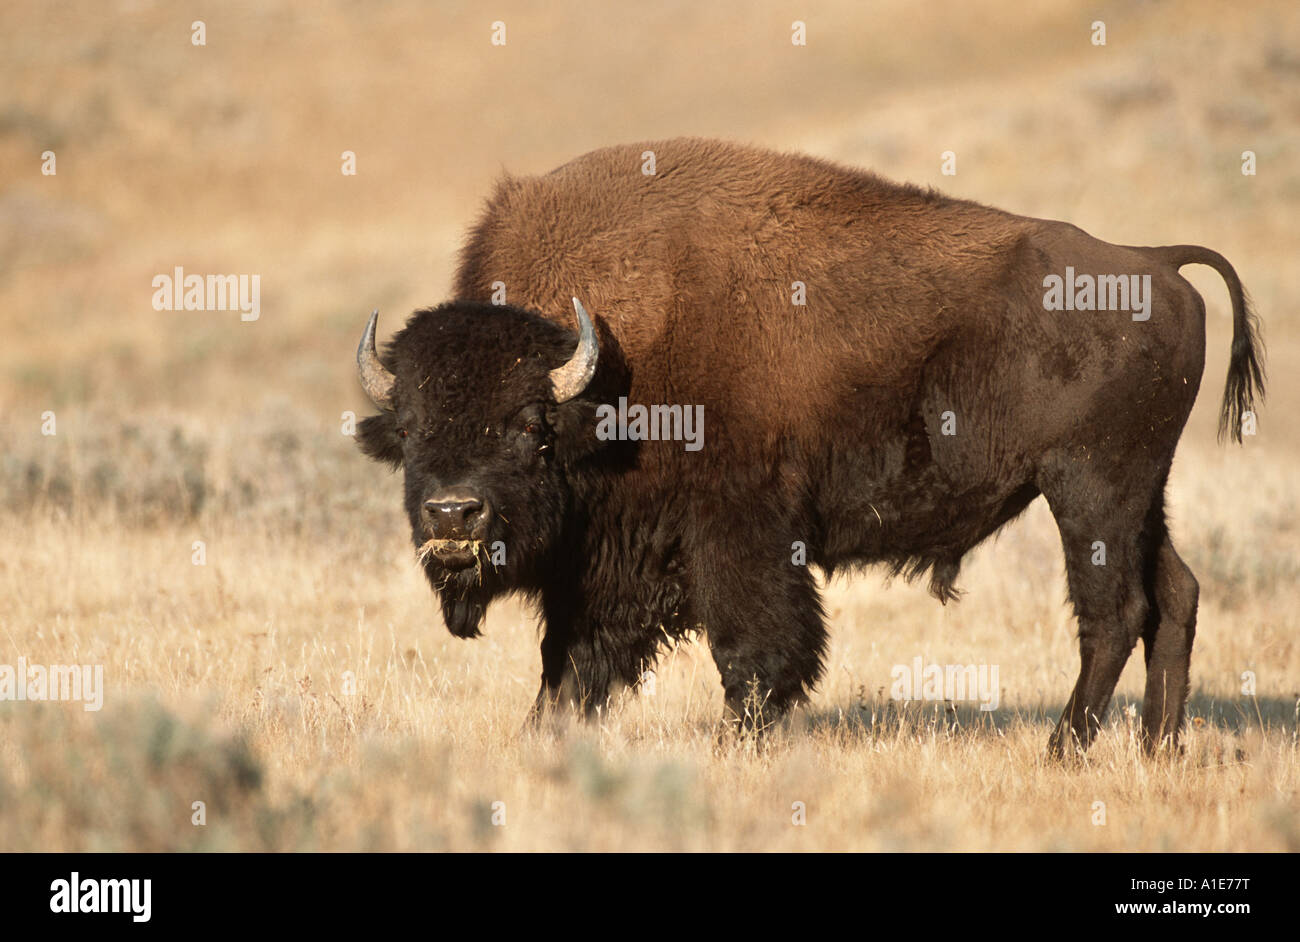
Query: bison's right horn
[[572, 378], [375, 378]]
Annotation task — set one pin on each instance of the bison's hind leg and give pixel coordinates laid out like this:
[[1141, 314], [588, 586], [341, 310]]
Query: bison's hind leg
[[1112, 526], [1167, 643]]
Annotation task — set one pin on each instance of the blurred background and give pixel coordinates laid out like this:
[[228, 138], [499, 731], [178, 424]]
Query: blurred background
[[226, 158]]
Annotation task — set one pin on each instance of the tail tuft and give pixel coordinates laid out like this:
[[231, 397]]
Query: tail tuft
[[1245, 369]]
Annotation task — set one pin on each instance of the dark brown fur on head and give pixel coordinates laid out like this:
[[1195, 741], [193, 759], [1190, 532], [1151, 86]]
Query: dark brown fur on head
[[473, 407]]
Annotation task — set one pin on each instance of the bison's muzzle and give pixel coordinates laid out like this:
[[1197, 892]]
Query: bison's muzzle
[[456, 522]]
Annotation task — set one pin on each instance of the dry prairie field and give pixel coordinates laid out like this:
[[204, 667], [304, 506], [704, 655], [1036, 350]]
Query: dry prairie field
[[180, 503]]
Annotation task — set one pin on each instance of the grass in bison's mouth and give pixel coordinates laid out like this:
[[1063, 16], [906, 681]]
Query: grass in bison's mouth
[[439, 548]]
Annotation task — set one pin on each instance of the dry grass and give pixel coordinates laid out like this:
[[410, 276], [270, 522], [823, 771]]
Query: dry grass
[[228, 683]]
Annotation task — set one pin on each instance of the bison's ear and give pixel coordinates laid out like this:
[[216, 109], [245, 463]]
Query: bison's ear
[[575, 430], [377, 438]]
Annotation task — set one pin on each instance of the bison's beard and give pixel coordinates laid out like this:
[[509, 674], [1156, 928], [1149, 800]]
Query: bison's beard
[[463, 615], [457, 571]]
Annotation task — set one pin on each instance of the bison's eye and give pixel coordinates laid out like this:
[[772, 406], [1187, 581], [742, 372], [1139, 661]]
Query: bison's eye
[[528, 427], [401, 432]]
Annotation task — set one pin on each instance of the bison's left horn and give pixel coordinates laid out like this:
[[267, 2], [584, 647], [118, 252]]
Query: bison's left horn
[[572, 378], [375, 378]]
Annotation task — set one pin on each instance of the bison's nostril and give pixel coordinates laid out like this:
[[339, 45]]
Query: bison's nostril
[[455, 510], [453, 517]]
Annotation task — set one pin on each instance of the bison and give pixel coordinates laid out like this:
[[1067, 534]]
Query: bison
[[884, 375]]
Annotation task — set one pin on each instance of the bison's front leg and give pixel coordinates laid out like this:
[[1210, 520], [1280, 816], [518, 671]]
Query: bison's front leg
[[763, 617], [583, 659], [572, 677]]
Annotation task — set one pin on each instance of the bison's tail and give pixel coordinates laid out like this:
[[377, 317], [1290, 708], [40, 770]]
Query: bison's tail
[[1245, 365]]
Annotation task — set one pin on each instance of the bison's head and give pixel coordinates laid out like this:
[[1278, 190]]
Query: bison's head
[[483, 408]]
